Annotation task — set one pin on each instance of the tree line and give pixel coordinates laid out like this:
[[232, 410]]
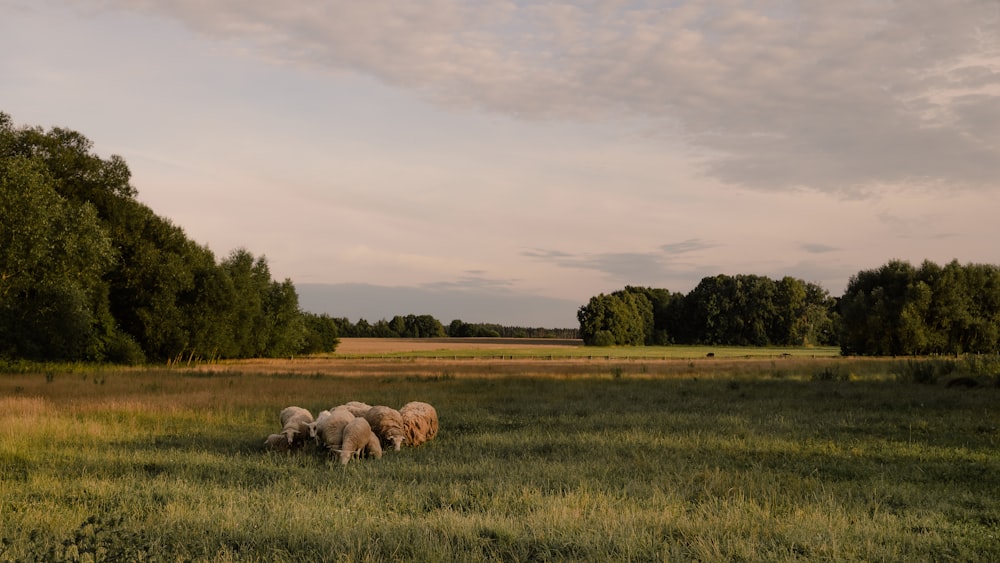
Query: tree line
[[87, 272], [426, 326], [893, 310], [740, 310], [898, 309]]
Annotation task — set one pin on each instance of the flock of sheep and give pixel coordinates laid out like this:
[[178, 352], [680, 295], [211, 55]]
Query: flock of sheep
[[355, 429]]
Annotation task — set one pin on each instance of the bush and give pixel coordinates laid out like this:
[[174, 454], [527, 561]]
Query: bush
[[603, 338], [123, 349], [829, 373], [926, 372]]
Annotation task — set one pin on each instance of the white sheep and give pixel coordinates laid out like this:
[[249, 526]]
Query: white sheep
[[330, 431], [387, 424], [295, 425], [420, 422], [374, 447], [357, 408], [315, 425], [357, 438]]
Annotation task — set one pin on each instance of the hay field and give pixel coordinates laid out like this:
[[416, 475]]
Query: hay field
[[355, 346]]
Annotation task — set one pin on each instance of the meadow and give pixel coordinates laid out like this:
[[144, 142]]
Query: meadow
[[766, 458]]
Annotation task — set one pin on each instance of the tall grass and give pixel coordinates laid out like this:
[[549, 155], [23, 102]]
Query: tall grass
[[755, 465]]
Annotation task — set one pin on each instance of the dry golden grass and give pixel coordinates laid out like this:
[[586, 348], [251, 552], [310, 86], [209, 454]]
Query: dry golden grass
[[351, 346]]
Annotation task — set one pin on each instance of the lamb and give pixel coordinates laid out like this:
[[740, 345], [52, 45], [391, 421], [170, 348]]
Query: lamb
[[357, 438], [277, 442], [330, 432], [315, 425], [295, 425], [387, 424], [420, 422], [357, 408]]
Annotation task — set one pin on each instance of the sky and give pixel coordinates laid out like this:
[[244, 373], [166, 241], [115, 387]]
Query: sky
[[504, 161]]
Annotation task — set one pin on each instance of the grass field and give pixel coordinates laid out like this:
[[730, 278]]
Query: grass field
[[752, 459], [541, 348]]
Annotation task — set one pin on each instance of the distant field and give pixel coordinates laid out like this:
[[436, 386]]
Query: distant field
[[356, 346], [557, 348]]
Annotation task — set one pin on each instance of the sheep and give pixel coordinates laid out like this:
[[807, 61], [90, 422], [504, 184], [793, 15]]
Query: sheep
[[420, 422], [387, 424], [374, 447], [295, 425], [357, 437], [316, 424], [357, 408], [330, 432], [277, 442]]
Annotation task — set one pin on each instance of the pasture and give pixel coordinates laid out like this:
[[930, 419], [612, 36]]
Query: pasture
[[571, 458]]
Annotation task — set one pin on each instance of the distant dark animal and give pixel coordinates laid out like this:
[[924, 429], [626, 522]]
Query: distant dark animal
[[966, 382], [710, 355]]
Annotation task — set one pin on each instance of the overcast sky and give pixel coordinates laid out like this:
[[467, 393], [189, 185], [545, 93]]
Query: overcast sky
[[539, 153]]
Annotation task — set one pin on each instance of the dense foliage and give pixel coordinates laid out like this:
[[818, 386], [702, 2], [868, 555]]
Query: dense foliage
[[89, 273], [901, 310], [742, 310], [893, 310], [426, 326]]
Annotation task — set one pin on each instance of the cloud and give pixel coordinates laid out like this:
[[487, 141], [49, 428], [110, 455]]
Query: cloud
[[689, 245], [916, 227], [815, 248], [472, 282], [844, 97], [653, 268]]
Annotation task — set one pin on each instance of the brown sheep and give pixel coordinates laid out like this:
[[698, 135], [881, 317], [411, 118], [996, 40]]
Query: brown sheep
[[387, 424], [420, 422]]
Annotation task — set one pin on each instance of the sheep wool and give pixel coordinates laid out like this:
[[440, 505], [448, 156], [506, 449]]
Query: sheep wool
[[387, 424], [420, 422], [331, 432], [277, 442], [295, 425], [356, 438], [357, 408], [374, 447]]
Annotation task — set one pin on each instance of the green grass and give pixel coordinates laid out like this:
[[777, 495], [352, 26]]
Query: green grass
[[753, 465]]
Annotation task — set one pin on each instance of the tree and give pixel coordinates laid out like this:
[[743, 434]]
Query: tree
[[617, 319], [88, 272], [321, 334], [900, 310], [52, 255]]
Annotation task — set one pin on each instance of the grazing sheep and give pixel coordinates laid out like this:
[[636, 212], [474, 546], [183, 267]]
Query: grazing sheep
[[315, 425], [374, 447], [420, 422], [295, 425], [277, 442], [357, 408], [357, 436], [330, 432], [387, 424]]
